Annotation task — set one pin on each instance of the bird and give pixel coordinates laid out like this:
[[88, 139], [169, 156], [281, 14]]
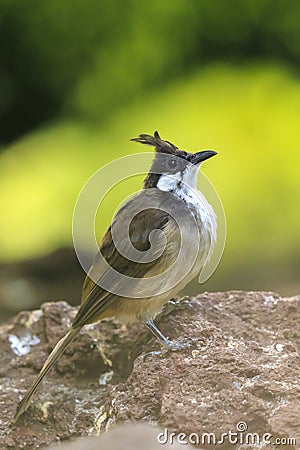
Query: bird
[[172, 229]]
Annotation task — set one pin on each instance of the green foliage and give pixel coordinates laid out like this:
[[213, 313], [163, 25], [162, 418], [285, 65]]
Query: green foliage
[[89, 58]]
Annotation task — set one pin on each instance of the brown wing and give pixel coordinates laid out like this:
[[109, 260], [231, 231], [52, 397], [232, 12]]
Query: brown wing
[[95, 299]]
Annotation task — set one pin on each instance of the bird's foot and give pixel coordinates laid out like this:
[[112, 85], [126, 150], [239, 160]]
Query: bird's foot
[[181, 344], [174, 346], [171, 346]]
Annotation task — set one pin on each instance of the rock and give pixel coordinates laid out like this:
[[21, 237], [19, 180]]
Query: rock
[[240, 374], [124, 437]]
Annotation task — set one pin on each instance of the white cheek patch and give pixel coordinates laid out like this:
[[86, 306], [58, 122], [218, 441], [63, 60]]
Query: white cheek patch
[[183, 180], [190, 176], [169, 183]]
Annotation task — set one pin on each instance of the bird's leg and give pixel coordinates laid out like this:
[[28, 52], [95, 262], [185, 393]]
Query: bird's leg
[[157, 333], [169, 345]]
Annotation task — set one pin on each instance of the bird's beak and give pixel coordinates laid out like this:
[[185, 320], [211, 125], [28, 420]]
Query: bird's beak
[[199, 157]]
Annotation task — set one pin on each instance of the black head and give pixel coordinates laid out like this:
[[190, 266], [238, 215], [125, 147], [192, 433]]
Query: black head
[[171, 162]]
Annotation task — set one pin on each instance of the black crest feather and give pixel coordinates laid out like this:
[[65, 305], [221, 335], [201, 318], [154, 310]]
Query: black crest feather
[[156, 141]]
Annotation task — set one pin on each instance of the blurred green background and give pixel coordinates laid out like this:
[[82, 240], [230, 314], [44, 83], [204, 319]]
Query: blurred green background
[[78, 79]]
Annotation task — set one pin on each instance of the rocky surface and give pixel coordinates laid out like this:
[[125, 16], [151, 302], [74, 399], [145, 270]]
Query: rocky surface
[[241, 371], [125, 437]]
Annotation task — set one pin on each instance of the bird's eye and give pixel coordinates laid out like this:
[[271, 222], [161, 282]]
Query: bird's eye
[[173, 164]]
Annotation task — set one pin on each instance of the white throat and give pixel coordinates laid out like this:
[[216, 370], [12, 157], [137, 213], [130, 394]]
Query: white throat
[[184, 186]]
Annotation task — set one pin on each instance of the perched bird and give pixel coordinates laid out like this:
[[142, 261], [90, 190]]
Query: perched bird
[[171, 233]]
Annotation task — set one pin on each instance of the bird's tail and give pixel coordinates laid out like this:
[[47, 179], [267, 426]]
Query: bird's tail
[[51, 360]]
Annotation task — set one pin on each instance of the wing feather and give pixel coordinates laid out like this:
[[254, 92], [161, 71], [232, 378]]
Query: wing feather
[[95, 299]]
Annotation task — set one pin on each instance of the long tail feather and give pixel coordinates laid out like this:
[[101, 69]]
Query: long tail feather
[[51, 360]]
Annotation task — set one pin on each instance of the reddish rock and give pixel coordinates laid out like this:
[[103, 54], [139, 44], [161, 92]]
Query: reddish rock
[[242, 369]]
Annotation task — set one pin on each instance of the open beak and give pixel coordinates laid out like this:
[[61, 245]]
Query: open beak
[[199, 157]]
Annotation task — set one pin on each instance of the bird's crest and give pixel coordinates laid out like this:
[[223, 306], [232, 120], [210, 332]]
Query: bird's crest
[[156, 141]]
